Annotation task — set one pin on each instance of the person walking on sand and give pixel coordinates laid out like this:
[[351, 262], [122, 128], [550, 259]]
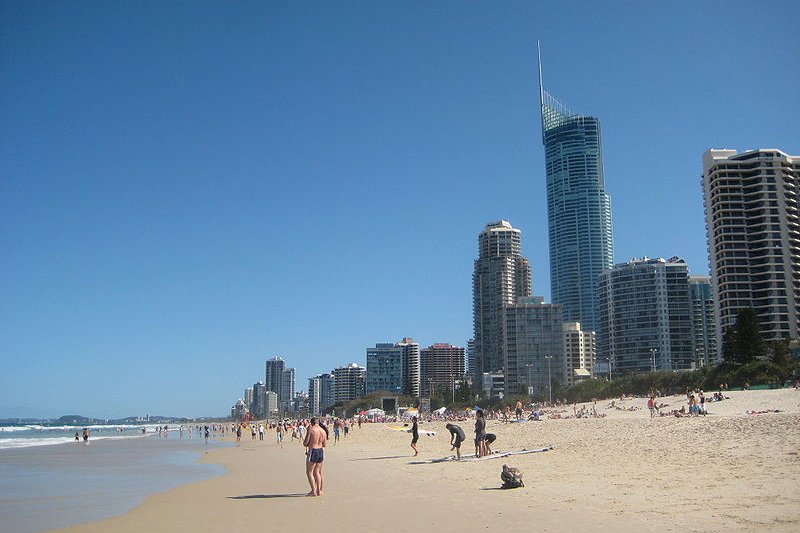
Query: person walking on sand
[[651, 404], [315, 442], [414, 435], [457, 436]]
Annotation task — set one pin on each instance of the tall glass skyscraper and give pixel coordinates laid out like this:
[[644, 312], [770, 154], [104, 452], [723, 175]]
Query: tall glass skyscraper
[[578, 208]]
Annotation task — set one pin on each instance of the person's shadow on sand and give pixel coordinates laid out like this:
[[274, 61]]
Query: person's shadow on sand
[[265, 496]]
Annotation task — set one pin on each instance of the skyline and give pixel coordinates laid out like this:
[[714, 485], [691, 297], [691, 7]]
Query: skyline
[[186, 193]]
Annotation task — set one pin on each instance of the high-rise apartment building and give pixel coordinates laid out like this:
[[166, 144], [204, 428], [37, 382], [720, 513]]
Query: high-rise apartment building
[[442, 366], [286, 394], [704, 329], [645, 316], [259, 405], [348, 382], [270, 404], [753, 231], [411, 367], [534, 346], [273, 377], [394, 368], [500, 277], [385, 368], [320, 393], [248, 398], [578, 208], [579, 353]]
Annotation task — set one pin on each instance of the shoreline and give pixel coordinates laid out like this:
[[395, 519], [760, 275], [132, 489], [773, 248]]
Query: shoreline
[[728, 471], [71, 483]]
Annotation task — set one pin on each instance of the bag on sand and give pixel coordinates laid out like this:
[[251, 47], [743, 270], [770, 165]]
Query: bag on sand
[[512, 477]]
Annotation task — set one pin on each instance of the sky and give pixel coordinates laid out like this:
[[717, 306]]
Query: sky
[[190, 188]]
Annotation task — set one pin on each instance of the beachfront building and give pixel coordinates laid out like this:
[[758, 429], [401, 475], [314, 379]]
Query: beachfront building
[[534, 346], [394, 368], [300, 405], [645, 316], [248, 397], [314, 395], [274, 373], [704, 328], [239, 410], [753, 232], [348, 383], [385, 368], [270, 404], [492, 384], [320, 393], [578, 208], [258, 406], [470, 357], [442, 364], [287, 393], [501, 275], [412, 372], [579, 353]]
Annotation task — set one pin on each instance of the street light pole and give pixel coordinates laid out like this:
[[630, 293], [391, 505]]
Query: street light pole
[[549, 378], [608, 363], [653, 352]]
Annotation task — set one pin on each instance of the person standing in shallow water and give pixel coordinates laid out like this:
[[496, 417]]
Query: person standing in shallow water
[[414, 435], [315, 442]]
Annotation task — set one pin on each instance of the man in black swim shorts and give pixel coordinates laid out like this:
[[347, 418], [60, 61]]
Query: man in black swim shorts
[[316, 455], [316, 439]]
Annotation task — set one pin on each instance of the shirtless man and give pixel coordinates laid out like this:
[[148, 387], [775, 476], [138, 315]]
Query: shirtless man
[[315, 442]]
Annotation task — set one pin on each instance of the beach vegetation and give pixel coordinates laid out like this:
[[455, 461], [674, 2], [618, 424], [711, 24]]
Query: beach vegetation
[[742, 343], [781, 356]]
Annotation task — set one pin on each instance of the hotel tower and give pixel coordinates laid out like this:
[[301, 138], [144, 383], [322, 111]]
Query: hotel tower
[[501, 276], [578, 208], [753, 229]]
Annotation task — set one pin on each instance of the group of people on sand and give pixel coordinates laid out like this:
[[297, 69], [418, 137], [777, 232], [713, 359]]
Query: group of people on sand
[[483, 440]]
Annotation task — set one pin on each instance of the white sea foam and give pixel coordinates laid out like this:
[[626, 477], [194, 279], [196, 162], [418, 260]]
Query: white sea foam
[[49, 441]]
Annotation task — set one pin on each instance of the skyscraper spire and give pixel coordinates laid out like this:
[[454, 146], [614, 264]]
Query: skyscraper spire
[[539, 62]]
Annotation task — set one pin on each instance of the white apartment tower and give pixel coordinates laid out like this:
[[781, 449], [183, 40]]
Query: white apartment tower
[[753, 231], [579, 352], [501, 276]]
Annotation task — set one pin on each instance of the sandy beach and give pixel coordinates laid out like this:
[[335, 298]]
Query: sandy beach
[[728, 471]]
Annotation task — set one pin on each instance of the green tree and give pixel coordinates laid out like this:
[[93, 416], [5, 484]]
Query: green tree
[[749, 344], [729, 346], [782, 357]]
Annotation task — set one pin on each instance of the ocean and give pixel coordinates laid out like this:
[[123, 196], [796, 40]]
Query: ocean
[[47, 480]]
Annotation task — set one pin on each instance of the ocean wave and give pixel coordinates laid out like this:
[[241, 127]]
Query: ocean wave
[[50, 441]]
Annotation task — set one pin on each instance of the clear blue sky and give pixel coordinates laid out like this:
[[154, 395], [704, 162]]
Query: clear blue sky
[[189, 188]]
